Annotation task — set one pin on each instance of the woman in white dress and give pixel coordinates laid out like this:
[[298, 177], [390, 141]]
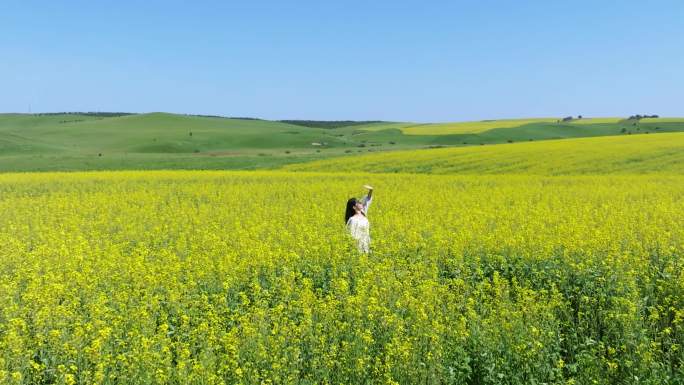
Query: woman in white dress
[[357, 222]]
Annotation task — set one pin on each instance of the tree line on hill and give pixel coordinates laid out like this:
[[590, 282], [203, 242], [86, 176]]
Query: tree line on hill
[[89, 113], [329, 123], [222, 117], [632, 117], [637, 117]]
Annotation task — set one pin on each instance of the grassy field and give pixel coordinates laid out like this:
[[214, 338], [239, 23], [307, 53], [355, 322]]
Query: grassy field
[[157, 140], [200, 277], [73, 142], [627, 154], [606, 120]]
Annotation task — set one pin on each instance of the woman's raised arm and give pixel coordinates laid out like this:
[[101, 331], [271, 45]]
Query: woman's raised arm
[[367, 199]]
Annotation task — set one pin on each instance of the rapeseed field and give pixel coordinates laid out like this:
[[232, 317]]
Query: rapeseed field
[[627, 154], [204, 277]]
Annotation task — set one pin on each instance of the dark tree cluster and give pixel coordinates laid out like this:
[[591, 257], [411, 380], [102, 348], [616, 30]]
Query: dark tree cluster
[[568, 118], [637, 117]]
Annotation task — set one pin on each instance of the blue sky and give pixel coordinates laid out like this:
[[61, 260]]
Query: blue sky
[[387, 60]]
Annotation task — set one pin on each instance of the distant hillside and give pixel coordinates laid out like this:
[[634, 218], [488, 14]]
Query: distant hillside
[[662, 153], [87, 141], [119, 140]]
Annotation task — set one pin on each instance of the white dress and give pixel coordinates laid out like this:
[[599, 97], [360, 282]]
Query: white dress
[[359, 227]]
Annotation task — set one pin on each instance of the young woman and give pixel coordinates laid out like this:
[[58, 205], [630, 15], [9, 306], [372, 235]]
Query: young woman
[[357, 222]]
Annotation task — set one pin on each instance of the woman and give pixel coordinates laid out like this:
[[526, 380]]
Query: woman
[[357, 222]]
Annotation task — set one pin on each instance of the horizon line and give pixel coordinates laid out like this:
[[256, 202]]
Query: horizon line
[[126, 113]]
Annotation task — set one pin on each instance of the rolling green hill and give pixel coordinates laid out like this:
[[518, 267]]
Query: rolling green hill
[[628, 154], [156, 140], [73, 141], [158, 133]]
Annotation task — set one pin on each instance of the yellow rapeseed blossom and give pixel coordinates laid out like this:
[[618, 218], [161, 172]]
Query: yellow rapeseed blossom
[[250, 277]]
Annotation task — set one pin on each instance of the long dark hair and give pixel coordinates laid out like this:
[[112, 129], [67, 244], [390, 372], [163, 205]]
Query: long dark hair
[[351, 209]]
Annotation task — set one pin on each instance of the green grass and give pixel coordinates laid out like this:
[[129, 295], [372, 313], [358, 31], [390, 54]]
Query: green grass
[[75, 162], [162, 133], [600, 120], [71, 142], [627, 154], [157, 140]]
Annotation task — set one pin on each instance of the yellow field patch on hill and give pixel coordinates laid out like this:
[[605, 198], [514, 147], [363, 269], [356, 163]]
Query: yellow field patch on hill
[[469, 127], [661, 120]]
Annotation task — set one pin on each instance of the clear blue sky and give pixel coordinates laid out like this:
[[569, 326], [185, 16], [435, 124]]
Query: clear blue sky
[[389, 60]]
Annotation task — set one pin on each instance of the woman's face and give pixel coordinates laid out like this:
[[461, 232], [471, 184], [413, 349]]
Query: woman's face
[[358, 206]]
